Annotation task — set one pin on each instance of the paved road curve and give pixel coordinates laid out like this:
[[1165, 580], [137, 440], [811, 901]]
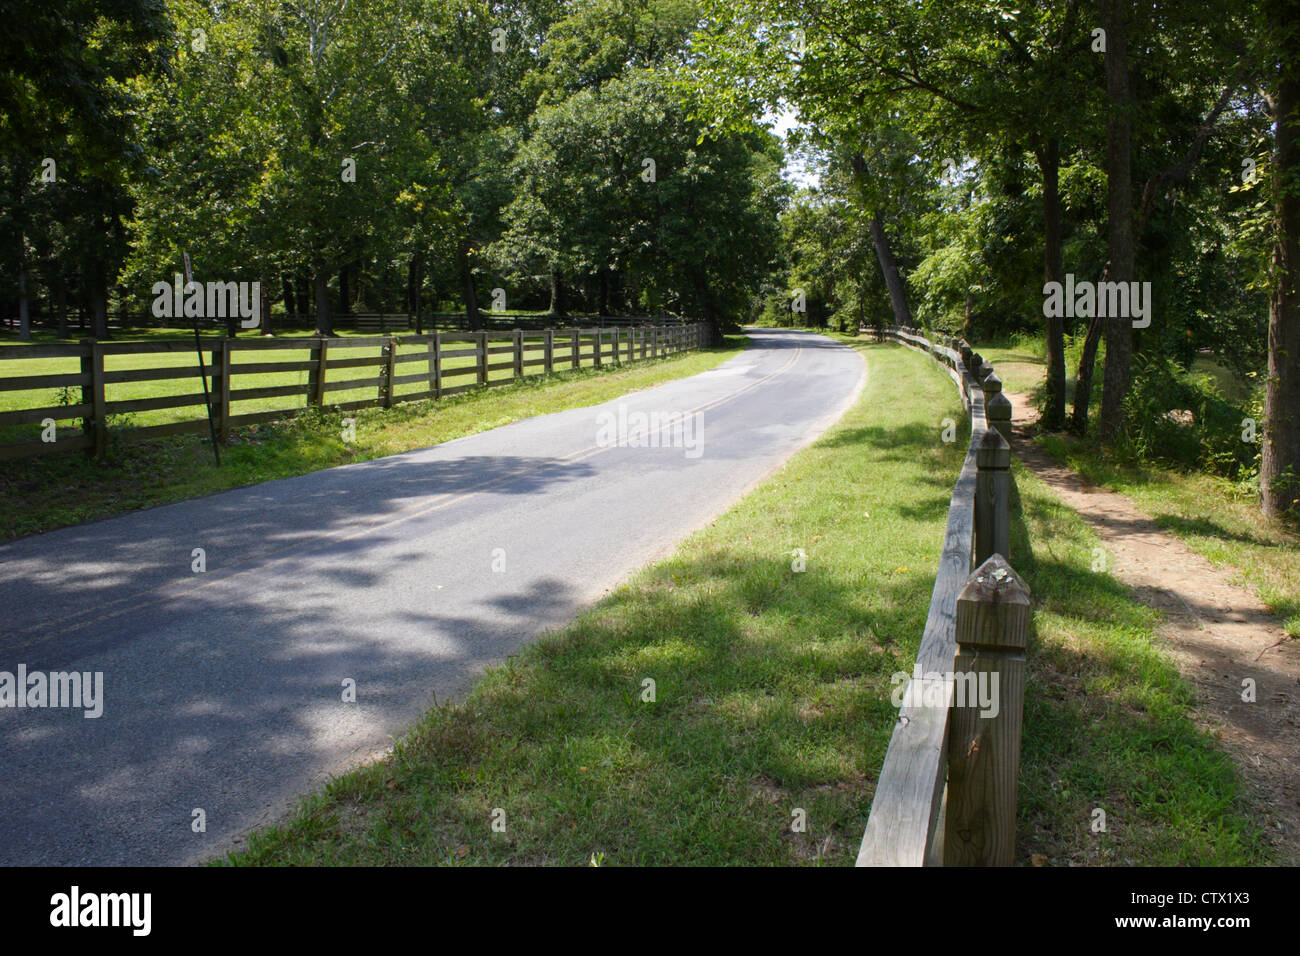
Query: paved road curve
[[223, 689]]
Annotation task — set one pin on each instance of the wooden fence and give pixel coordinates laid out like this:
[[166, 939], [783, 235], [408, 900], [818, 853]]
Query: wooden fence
[[946, 795], [401, 369]]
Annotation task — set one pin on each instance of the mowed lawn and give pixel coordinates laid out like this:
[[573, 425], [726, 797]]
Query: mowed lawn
[[722, 696]]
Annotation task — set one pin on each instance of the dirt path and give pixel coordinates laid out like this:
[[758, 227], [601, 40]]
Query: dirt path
[[1219, 635]]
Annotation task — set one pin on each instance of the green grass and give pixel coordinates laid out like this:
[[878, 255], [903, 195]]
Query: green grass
[[773, 691], [1214, 516], [60, 489]]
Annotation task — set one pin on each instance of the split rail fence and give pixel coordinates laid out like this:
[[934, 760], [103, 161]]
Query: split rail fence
[[98, 377], [946, 795]]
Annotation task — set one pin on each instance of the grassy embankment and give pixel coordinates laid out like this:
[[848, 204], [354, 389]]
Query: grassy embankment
[[772, 691]]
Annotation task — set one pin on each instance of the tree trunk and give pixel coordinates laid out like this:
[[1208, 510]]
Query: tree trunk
[[472, 316], [98, 295], [557, 294], [1119, 213], [304, 296], [708, 314], [266, 327], [1049, 162], [290, 299], [889, 268], [59, 290], [1083, 381], [24, 307], [345, 296], [1280, 459], [414, 287], [320, 286], [602, 301]]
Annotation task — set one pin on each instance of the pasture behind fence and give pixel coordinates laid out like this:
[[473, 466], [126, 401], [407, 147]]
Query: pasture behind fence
[[96, 380]]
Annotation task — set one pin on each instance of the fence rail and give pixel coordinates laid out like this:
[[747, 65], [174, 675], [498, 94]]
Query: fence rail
[[366, 321], [947, 791], [328, 372]]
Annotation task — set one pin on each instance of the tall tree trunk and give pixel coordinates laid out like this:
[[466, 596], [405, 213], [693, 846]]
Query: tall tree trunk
[[1280, 459], [59, 291], [708, 314], [1049, 162], [267, 325], [290, 299], [602, 299], [1083, 381], [557, 294], [889, 268], [415, 290], [98, 294], [472, 315], [24, 306], [304, 296], [320, 286], [1119, 213], [345, 293]]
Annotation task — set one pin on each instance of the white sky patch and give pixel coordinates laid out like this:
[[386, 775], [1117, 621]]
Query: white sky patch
[[796, 171]]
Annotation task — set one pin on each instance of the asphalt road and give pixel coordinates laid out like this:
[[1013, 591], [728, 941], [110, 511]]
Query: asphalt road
[[223, 689]]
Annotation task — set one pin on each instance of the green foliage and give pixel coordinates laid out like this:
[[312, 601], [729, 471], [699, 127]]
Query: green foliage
[[1183, 420]]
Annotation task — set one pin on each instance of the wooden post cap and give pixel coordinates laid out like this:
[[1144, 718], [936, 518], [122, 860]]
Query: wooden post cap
[[993, 607], [991, 383], [993, 451], [997, 407]]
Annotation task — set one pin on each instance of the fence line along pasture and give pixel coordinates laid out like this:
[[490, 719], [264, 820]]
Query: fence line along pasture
[[946, 795], [346, 373]]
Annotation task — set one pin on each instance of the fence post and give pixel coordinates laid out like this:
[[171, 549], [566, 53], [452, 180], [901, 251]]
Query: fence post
[[654, 343], [435, 365], [574, 357], [984, 726], [548, 352], [482, 349], [600, 336], [388, 351], [92, 394], [992, 496], [614, 352], [966, 355], [221, 387], [316, 377], [997, 407], [519, 353]]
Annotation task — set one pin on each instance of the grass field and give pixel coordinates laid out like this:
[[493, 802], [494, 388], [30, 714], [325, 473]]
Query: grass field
[[772, 691], [51, 491], [1214, 516]]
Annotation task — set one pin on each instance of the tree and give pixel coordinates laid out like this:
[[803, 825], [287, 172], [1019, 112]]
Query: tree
[[1280, 460]]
